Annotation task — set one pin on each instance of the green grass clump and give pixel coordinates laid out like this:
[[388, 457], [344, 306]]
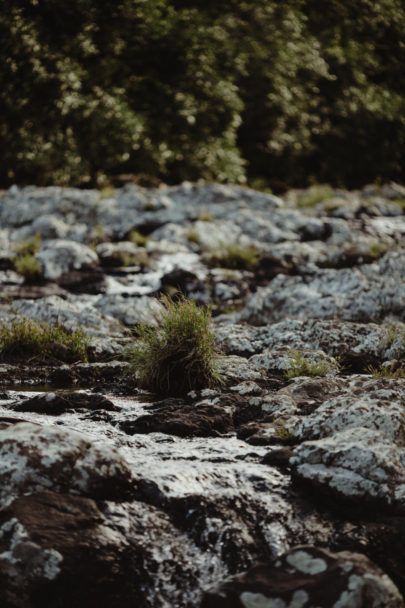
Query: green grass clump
[[234, 256], [387, 371], [377, 249], [29, 267], [205, 216], [315, 195], [25, 261], [178, 354], [137, 238], [28, 246], [192, 237], [107, 192], [26, 338], [303, 367]]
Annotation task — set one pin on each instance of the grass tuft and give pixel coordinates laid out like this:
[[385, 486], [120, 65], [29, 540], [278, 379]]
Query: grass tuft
[[25, 261], [28, 246], [178, 354], [387, 371], [303, 367], [137, 238], [315, 195], [29, 267], [26, 338], [234, 256]]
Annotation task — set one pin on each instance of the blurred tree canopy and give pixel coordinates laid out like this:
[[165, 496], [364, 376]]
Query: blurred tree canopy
[[275, 93]]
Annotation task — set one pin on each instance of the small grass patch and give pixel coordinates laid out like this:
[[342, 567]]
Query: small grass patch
[[377, 249], [387, 371], [315, 195], [178, 354], [400, 202], [28, 246], [192, 237], [303, 367], [107, 192], [137, 238], [205, 216], [29, 267], [133, 259], [234, 256], [26, 338], [25, 261]]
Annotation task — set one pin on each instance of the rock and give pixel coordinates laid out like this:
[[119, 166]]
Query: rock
[[60, 550], [130, 310], [71, 313], [78, 281], [301, 362], [345, 339], [234, 369], [35, 458], [359, 466], [54, 404], [349, 294], [309, 576], [376, 404], [174, 417], [124, 253], [59, 256], [47, 225]]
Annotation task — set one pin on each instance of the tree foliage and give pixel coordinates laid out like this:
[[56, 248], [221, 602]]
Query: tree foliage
[[281, 92]]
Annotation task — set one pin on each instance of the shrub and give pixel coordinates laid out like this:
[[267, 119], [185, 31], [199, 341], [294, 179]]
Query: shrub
[[26, 338], [234, 256], [303, 367], [177, 355], [29, 267]]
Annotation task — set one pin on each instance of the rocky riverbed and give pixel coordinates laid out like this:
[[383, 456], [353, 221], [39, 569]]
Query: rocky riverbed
[[285, 488]]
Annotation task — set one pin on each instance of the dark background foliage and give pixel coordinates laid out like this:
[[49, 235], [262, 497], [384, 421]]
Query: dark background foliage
[[277, 94]]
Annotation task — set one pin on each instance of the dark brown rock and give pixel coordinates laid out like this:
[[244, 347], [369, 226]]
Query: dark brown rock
[[309, 576], [57, 403], [177, 418], [58, 551]]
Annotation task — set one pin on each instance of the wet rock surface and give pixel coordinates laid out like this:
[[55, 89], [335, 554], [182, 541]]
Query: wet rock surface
[[112, 496]]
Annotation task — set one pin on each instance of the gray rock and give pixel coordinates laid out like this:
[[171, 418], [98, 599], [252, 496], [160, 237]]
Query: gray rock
[[72, 313], [60, 256], [358, 465], [37, 458]]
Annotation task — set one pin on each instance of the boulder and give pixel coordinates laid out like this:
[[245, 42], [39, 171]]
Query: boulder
[[309, 576], [35, 458], [359, 466], [60, 256]]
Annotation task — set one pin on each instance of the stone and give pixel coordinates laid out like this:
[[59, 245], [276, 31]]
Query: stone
[[309, 576], [54, 404], [39, 458], [358, 465], [71, 313], [60, 550], [60, 256], [376, 404]]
